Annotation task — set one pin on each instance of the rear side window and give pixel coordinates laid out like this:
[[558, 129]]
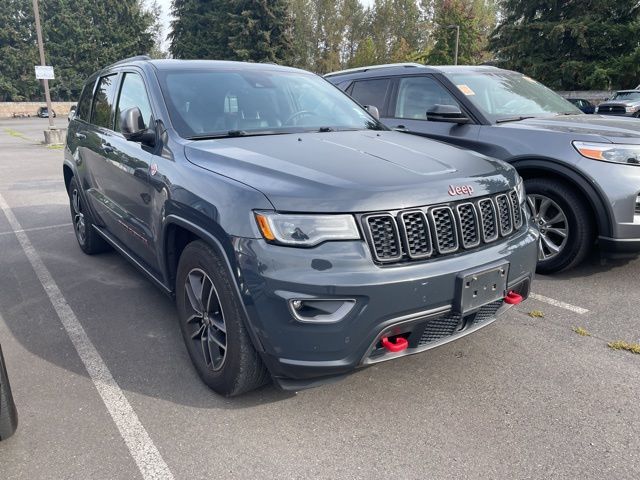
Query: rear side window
[[417, 95], [84, 104], [133, 94], [103, 102], [371, 92]]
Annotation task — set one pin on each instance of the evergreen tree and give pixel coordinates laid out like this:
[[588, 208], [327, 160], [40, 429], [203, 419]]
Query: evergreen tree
[[571, 45], [476, 19], [200, 29], [260, 31], [76, 45]]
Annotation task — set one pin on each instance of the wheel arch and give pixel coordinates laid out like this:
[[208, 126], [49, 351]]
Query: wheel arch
[[548, 167], [68, 174], [177, 233]]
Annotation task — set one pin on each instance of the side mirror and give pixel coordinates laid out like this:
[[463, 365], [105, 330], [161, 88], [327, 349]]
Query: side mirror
[[373, 110], [133, 128], [447, 113]]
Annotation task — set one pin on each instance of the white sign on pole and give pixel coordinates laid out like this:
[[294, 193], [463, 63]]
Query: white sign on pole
[[44, 72]]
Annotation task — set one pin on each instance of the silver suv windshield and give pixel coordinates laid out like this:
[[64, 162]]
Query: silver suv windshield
[[626, 96], [233, 103], [505, 96]]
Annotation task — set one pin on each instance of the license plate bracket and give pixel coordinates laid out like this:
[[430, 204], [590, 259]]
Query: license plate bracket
[[480, 287]]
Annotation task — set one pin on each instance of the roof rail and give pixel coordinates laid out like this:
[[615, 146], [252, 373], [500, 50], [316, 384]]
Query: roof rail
[[131, 59], [374, 67]]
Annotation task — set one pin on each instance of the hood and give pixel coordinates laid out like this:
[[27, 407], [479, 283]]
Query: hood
[[356, 171], [596, 128]]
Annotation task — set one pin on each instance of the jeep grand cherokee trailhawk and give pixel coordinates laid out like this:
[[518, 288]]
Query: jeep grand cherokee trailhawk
[[300, 237]]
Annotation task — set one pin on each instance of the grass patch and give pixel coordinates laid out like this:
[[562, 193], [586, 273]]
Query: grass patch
[[536, 314], [14, 133], [55, 147], [581, 331], [622, 345]]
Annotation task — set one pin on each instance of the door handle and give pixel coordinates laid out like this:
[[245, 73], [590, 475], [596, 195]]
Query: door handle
[[400, 128], [80, 136]]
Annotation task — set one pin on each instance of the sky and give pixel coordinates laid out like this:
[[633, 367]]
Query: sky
[[166, 16]]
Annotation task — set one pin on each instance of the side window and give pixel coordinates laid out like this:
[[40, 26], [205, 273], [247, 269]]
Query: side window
[[417, 95], [103, 102], [133, 94], [84, 104], [371, 92]]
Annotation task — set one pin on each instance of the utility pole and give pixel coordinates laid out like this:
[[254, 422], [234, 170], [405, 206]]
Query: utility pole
[[457, 44], [457, 27], [36, 13]]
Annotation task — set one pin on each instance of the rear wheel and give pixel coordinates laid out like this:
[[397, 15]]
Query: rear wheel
[[565, 224], [8, 413], [212, 324], [89, 240]]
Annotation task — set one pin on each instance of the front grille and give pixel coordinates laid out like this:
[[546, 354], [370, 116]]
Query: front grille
[[421, 233], [612, 110]]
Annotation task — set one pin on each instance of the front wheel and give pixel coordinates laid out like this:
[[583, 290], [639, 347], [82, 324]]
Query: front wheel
[[565, 224], [212, 323]]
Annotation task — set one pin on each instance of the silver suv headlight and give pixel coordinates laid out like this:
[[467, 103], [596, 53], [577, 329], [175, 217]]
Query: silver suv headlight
[[609, 152], [631, 109], [306, 230]]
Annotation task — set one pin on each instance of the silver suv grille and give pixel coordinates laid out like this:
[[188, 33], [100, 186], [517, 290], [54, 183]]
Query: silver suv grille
[[421, 233]]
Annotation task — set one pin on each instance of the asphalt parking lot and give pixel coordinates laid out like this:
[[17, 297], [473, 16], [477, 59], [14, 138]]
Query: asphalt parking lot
[[523, 398]]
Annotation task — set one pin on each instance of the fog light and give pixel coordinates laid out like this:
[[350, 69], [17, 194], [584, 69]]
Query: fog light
[[320, 310]]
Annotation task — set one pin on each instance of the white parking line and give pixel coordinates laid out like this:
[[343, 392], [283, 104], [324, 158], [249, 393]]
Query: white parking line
[[35, 229], [558, 303], [147, 457]]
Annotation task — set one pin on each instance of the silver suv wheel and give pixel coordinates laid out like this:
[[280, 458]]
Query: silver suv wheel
[[552, 223]]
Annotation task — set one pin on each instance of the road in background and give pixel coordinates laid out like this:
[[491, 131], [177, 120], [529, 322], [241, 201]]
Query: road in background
[[524, 398]]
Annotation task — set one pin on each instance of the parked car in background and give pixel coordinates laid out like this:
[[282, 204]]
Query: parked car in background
[[43, 112], [584, 105], [300, 237], [8, 412], [582, 172], [624, 103]]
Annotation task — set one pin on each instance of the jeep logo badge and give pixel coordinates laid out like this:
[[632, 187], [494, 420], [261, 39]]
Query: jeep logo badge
[[460, 190]]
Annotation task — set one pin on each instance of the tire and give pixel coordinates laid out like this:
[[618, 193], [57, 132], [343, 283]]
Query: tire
[[548, 200], [217, 341], [8, 413], [88, 239]]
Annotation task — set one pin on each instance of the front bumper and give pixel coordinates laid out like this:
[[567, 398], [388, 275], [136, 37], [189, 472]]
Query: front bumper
[[403, 297], [620, 185]]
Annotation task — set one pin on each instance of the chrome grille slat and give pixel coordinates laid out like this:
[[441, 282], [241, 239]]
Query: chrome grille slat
[[468, 225], [516, 210], [444, 229], [422, 233], [416, 234], [504, 214]]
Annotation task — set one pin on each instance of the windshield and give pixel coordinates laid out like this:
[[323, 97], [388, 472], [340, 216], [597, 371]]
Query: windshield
[[626, 96], [246, 102], [504, 95]]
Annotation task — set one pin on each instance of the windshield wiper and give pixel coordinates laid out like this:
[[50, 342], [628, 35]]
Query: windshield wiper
[[237, 133], [514, 119]]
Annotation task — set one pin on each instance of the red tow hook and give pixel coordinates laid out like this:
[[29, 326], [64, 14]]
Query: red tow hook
[[513, 298], [399, 345]]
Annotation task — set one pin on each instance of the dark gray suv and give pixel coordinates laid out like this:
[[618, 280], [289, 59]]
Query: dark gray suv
[[581, 172], [300, 237]]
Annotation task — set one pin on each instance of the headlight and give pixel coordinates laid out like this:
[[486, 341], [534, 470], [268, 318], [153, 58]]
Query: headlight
[[610, 152], [631, 109], [306, 230], [596, 110], [522, 196]]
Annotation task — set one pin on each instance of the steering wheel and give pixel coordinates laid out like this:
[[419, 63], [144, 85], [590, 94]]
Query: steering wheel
[[301, 113]]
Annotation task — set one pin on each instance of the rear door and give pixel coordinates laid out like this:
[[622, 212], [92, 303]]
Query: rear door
[[412, 97]]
